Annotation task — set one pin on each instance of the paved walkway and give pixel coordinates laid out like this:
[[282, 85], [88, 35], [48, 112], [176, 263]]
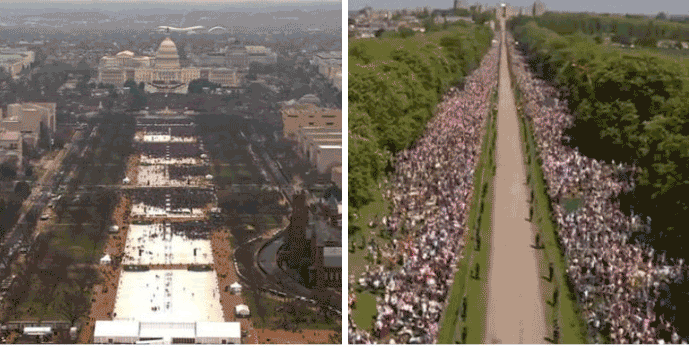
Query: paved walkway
[[515, 309]]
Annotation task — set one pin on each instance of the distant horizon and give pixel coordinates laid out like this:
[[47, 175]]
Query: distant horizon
[[671, 7], [167, 1]]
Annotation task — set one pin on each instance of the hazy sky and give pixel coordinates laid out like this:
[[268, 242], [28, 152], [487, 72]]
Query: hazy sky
[[612, 6]]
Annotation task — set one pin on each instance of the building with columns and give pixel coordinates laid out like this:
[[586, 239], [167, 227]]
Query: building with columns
[[162, 73]]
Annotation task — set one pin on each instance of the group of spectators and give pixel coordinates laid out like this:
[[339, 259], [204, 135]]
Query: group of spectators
[[175, 131], [432, 184], [617, 282], [176, 197], [170, 150], [193, 230], [178, 172], [162, 121]]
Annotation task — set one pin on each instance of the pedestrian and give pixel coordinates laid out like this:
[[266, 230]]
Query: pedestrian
[[556, 294], [556, 333], [478, 242], [538, 240], [476, 271], [464, 335]]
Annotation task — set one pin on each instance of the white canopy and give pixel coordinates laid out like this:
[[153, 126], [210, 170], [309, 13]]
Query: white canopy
[[106, 259], [113, 229], [236, 287], [125, 180], [209, 177], [37, 331], [242, 310]]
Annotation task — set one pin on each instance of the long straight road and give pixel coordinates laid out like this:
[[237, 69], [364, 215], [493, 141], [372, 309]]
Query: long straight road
[[515, 309]]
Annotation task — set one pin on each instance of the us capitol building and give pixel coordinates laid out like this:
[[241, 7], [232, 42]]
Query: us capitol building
[[161, 73]]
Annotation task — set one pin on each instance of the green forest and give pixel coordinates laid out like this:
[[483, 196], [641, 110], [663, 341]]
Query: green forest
[[394, 85], [629, 106], [624, 30]]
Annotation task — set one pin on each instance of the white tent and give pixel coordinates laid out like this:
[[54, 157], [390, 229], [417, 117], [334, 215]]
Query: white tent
[[242, 310], [106, 259], [37, 331], [113, 229], [125, 180], [236, 288], [209, 177]]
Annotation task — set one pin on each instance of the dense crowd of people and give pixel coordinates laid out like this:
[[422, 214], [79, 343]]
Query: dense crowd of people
[[176, 197], [617, 282], [177, 131], [177, 172], [161, 121], [173, 150], [432, 184], [193, 230]]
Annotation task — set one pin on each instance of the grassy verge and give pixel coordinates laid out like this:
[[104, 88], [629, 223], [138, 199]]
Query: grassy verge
[[452, 324], [566, 312], [359, 236], [365, 310]]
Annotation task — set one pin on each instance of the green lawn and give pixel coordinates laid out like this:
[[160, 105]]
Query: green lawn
[[359, 232], [365, 310], [464, 285], [566, 312]]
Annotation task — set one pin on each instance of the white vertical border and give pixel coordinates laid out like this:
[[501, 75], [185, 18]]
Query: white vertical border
[[345, 170]]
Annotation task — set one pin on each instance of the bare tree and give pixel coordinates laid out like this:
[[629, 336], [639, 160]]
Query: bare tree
[[71, 303]]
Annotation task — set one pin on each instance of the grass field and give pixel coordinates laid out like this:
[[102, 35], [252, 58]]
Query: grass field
[[359, 236], [452, 325], [566, 312], [365, 310], [359, 232]]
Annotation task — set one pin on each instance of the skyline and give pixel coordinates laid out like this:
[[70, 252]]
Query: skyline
[[668, 6]]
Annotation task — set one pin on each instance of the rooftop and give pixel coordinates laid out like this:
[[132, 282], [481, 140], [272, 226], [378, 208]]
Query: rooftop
[[10, 136], [332, 257]]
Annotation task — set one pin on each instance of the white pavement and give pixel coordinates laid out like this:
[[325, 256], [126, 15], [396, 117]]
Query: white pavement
[[515, 309]]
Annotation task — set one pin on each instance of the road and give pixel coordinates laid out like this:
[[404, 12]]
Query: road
[[37, 200], [515, 312]]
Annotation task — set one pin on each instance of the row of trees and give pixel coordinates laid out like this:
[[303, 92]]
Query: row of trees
[[625, 30], [394, 86], [629, 106]]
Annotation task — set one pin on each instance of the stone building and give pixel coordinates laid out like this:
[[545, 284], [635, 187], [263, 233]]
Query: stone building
[[162, 73]]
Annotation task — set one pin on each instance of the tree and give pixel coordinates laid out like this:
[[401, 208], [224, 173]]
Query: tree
[[379, 32], [196, 86], [662, 16], [131, 84], [8, 170], [71, 302], [22, 189]]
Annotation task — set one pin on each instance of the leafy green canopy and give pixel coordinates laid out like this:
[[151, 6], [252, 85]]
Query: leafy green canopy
[[623, 29], [394, 86], [628, 106]]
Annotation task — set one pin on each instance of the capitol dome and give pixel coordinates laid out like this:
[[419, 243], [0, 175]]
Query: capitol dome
[[126, 53], [167, 56]]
